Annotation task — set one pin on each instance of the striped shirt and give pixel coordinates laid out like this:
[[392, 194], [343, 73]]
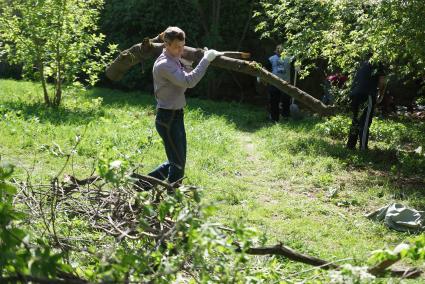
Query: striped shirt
[[171, 80]]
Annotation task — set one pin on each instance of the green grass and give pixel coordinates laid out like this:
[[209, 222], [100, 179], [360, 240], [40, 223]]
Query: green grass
[[275, 177]]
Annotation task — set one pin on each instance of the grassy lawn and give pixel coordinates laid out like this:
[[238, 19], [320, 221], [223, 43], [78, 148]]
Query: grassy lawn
[[293, 180]]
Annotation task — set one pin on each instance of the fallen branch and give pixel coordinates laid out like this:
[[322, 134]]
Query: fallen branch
[[382, 266], [380, 269], [410, 273], [287, 252], [231, 60], [291, 254]]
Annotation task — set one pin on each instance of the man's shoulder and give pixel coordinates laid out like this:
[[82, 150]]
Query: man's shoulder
[[372, 68], [163, 62], [365, 67]]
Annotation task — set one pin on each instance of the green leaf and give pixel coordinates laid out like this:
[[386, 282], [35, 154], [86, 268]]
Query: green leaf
[[6, 170], [7, 188]]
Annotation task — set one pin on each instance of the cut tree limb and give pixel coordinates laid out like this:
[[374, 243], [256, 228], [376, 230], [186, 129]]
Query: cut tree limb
[[382, 266], [380, 269], [231, 60], [285, 251]]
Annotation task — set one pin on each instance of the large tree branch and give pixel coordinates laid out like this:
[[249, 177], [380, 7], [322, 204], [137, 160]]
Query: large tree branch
[[285, 251], [230, 61]]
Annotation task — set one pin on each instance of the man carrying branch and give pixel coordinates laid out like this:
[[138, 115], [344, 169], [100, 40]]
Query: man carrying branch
[[170, 83]]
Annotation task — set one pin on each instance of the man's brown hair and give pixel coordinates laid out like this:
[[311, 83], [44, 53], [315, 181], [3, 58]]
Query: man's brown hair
[[173, 33]]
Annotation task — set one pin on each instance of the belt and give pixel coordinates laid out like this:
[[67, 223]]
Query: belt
[[170, 110]]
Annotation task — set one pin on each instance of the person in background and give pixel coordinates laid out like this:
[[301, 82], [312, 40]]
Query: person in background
[[369, 80], [170, 83], [279, 102], [332, 82]]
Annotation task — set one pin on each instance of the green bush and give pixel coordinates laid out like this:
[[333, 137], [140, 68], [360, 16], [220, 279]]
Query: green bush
[[390, 132], [335, 127], [382, 130], [411, 163]]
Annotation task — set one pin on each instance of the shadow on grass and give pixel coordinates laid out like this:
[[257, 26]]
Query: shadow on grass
[[406, 177], [56, 116], [117, 98], [82, 112], [247, 118]]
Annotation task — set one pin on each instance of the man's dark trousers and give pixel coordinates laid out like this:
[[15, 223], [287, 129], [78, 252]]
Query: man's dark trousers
[[278, 97], [359, 129], [170, 126]]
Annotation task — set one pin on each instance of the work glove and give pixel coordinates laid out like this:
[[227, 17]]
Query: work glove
[[211, 54]]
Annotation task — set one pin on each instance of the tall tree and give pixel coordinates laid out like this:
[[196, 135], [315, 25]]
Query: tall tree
[[54, 40]]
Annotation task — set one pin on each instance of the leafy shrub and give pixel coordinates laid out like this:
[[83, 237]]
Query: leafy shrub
[[335, 127], [390, 132]]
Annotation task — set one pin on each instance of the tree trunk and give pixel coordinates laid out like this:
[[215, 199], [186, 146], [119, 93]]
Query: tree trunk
[[58, 85], [43, 83], [58, 96], [229, 61]]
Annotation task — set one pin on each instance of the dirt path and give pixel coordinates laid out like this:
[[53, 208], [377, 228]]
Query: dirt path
[[257, 171]]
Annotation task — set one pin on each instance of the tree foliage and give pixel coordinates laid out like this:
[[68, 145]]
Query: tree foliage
[[55, 41], [221, 25], [342, 32]]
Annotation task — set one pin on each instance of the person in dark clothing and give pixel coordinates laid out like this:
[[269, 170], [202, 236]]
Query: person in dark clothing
[[279, 102], [368, 81]]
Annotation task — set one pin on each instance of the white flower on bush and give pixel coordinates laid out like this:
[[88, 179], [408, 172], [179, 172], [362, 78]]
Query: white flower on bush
[[351, 275], [115, 165]]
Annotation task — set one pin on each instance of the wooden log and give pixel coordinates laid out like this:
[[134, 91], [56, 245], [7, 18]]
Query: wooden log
[[231, 60], [285, 251]]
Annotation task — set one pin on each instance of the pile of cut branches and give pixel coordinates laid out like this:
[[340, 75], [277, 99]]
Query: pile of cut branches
[[161, 230]]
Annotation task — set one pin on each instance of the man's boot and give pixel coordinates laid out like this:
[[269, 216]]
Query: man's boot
[[352, 137]]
